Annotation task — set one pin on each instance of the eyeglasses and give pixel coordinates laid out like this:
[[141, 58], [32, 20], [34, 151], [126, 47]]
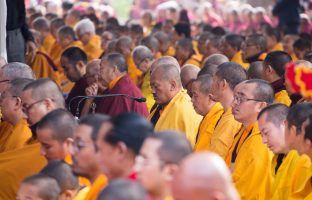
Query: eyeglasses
[[241, 99], [141, 161], [26, 107], [78, 145]]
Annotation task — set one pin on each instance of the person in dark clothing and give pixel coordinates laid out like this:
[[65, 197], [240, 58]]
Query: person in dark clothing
[[18, 38]]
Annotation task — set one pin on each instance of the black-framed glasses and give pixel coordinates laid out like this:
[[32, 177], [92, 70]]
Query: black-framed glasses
[[242, 99], [26, 107]]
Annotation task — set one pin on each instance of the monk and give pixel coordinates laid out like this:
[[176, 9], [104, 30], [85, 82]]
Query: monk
[[216, 59], [205, 106], [41, 25], [164, 46], [55, 134], [106, 37], [152, 43], [123, 190], [85, 31], [124, 46], [288, 42], [143, 59], [212, 46], [174, 108], [231, 47], [39, 186], [167, 149], [255, 70], [272, 38], [254, 48], [73, 17], [136, 33], [55, 54], [228, 75], [203, 176], [113, 76], [74, 61], [302, 47], [273, 71], [202, 39], [85, 149], [12, 113], [185, 53], [117, 156], [250, 159], [66, 179], [188, 74]]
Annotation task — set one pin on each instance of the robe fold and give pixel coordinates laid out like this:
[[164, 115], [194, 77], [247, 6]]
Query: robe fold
[[281, 95], [170, 52], [207, 127], [277, 47], [96, 187], [237, 58], [147, 90], [133, 71], [48, 43], [179, 115], [93, 48]]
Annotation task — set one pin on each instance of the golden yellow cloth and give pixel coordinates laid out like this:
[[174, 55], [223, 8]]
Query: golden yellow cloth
[[48, 42], [194, 60], [277, 47], [82, 194], [147, 90], [82, 181], [112, 84], [301, 180], [16, 165], [207, 127], [282, 97], [44, 67], [281, 188], [96, 187], [224, 133], [252, 166], [157, 55], [133, 71], [93, 48], [170, 52], [5, 131], [237, 58], [179, 115], [294, 57], [18, 136]]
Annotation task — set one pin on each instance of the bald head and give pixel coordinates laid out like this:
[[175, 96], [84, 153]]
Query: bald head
[[165, 60], [255, 70], [188, 74], [41, 24], [216, 59], [168, 72], [151, 42], [141, 53], [92, 71], [124, 45], [204, 176]]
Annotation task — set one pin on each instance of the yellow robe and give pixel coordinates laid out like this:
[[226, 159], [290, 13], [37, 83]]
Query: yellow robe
[[282, 97], [252, 167], [82, 194], [93, 48], [207, 127], [5, 131], [16, 165], [147, 90], [48, 42], [17, 138], [170, 52], [281, 188], [224, 133], [277, 47], [96, 187], [194, 60], [179, 115], [294, 57], [133, 71], [237, 58], [157, 55]]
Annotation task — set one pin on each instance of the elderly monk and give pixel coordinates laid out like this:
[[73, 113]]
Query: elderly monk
[[113, 76], [205, 106], [174, 108], [85, 31], [203, 176], [164, 46], [188, 74], [251, 159], [167, 149], [124, 46], [41, 25], [143, 59], [85, 149], [216, 59], [185, 53], [152, 43], [228, 75], [12, 113], [74, 62], [273, 71]]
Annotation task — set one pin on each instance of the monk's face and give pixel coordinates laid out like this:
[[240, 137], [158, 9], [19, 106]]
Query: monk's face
[[106, 73], [10, 105], [181, 53], [84, 149], [249, 49], [105, 38], [84, 37], [217, 88], [272, 135], [51, 148], [200, 101], [288, 42], [92, 74], [227, 49], [4, 82], [151, 170], [71, 70], [28, 192], [161, 88], [142, 65]]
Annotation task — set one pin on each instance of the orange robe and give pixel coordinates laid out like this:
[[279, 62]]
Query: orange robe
[[93, 48], [170, 52], [96, 187], [277, 47], [133, 71], [194, 60], [48, 42], [237, 58]]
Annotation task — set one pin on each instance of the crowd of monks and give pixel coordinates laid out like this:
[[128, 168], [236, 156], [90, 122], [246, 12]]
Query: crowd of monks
[[146, 112]]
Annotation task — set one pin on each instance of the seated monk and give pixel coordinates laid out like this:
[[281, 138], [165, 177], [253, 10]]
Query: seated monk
[[74, 62], [41, 25], [124, 46], [164, 46], [43, 65], [288, 45], [174, 109], [188, 74], [185, 53], [12, 113], [254, 48], [55, 54], [85, 31], [153, 44], [273, 39], [113, 76], [85, 149]]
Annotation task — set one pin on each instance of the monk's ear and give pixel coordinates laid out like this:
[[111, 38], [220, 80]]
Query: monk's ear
[[67, 195], [49, 104], [173, 85], [18, 103], [170, 170], [80, 65], [122, 149]]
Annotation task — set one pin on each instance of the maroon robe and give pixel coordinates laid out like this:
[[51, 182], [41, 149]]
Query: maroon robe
[[115, 105]]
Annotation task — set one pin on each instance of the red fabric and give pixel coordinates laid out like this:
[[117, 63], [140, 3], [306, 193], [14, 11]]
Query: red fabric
[[115, 105], [133, 176]]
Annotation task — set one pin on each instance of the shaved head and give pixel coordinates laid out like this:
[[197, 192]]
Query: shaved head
[[216, 59], [41, 24], [188, 73], [165, 60], [168, 72], [17, 70], [141, 52], [204, 176], [255, 70]]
